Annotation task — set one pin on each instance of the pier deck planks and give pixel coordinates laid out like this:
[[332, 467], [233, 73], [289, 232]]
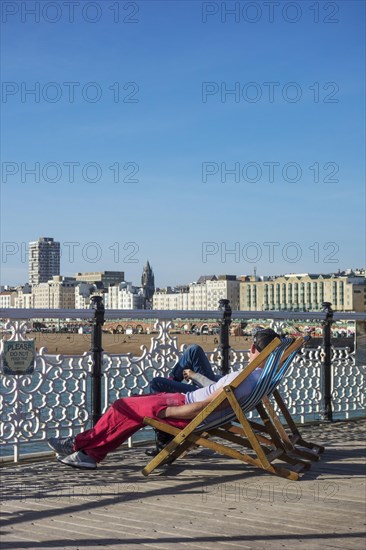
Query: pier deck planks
[[204, 501]]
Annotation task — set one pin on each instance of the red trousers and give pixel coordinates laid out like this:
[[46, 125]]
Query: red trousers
[[124, 418]]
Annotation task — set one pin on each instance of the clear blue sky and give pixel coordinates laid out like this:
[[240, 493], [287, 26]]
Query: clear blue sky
[[170, 131]]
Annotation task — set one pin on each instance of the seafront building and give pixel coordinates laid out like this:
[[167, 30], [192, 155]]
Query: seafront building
[[57, 293], [124, 296], [106, 278], [304, 292], [293, 292], [84, 293], [20, 297], [175, 298], [24, 297], [44, 260], [7, 298], [201, 295]]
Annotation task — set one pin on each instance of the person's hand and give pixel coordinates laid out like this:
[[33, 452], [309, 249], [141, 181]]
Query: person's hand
[[188, 374]]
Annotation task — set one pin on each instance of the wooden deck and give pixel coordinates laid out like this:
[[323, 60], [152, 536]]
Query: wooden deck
[[202, 501]]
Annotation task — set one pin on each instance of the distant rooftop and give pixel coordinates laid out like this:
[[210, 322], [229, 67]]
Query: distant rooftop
[[205, 278]]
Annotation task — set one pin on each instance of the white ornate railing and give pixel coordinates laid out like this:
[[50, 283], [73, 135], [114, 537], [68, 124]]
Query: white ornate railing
[[55, 399]]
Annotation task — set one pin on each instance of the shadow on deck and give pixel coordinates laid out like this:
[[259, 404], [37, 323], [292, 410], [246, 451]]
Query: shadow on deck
[[202, 501]]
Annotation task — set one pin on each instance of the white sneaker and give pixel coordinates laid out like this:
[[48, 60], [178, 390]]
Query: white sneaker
[[78, 460], [62, 445]]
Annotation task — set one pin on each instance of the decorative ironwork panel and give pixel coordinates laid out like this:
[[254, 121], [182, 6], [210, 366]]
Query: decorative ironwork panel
[[52, 400], [349, 382], [301, 385], [126, 374]]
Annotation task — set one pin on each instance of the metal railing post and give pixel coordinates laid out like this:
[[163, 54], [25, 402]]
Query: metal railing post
[[326, 375], [224, 305], [97, 351]]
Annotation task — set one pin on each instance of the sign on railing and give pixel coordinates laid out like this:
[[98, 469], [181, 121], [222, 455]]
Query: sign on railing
[[18, 357]]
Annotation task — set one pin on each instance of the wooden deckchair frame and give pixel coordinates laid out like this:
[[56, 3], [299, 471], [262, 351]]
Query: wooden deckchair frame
[[244, 435], [292, 442]]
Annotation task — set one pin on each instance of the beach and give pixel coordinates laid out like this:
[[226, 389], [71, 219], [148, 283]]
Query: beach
[[77, 344]]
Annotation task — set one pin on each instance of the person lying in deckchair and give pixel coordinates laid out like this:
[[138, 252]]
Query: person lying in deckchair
[[125, 416], [193, 370]]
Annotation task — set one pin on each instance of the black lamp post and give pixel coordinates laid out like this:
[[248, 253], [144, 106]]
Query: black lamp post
[[97, 351], [225, 322], [326, 378]]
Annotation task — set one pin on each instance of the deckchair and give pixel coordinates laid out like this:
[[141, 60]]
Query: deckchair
[[292, 442], [296, 450], [275, 434], [213, 421], [272, 433]]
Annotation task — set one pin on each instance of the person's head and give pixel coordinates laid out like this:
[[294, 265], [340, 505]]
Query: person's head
[[261, 338]]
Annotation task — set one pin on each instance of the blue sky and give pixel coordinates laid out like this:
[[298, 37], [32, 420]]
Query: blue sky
[[173, 131]]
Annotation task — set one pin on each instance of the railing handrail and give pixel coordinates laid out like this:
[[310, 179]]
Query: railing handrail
[[110, 314], [29, 313]]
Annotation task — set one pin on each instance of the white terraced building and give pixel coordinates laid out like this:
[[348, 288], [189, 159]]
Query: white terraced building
[[201, 295], [124, 296], [7, 298], [84, 293], [24, 298]]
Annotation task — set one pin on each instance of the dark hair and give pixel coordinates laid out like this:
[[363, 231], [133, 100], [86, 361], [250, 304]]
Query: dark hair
[[263, 337]]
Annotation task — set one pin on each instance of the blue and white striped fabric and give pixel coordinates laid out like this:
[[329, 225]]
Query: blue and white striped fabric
[[282, 371], [269, 379]]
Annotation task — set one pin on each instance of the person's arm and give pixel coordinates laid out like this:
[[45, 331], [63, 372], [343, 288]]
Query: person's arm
[[199, 379], [190, 410]]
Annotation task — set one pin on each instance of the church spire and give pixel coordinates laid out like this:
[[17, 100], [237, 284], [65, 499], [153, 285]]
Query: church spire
[[148, 281]]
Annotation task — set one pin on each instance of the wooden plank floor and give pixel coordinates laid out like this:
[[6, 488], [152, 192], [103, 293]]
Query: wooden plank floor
[[203, 501]]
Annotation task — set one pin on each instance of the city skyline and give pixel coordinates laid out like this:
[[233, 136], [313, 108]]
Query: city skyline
[[175, 150], [299, 292], [76, 270]]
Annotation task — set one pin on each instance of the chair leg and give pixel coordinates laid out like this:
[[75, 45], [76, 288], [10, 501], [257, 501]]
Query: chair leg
[[171, 447], [295, 437], [176, 448], [265, 458], [279, 436], [181, 451], [287, 441]]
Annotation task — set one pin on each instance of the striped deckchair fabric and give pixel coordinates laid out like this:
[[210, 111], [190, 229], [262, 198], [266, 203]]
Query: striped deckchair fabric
[[265, 447], [263, 386]]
